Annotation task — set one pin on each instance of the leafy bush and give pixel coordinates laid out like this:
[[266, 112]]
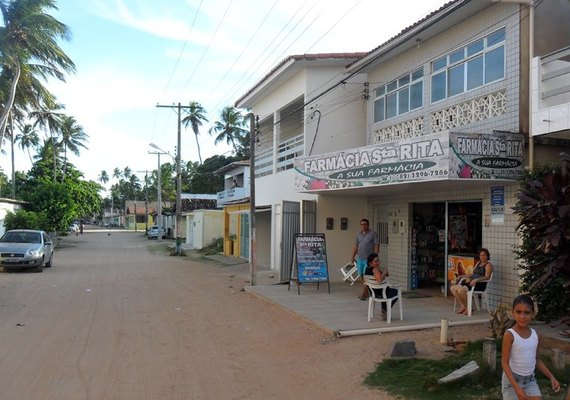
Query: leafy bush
[[543, 207], [23, 219]]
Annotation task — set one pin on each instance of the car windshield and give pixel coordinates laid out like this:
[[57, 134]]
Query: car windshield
[[21, 237]]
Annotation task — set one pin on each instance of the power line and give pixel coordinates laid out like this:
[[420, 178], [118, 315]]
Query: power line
[[206, 49], [246, 46], [183, 46]]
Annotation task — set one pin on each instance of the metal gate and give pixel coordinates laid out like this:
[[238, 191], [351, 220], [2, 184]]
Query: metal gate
[[309, 211], [291, 224], [244, 236], [382, 224]]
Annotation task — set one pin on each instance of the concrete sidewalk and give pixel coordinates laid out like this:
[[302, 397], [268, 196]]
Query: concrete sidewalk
[[341, 313]]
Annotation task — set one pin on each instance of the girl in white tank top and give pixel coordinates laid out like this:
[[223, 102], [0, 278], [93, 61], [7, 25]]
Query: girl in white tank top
[[520, 355]]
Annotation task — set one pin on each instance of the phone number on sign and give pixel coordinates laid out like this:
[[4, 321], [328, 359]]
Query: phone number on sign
[[421, 174]]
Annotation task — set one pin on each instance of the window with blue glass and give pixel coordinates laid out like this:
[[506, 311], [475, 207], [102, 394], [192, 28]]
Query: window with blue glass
[[399, 96], [479, 63]]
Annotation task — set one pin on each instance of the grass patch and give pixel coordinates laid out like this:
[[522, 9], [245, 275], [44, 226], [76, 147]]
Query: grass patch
[[215, 247], [417, 378]]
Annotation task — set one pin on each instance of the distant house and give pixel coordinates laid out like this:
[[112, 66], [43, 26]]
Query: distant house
[[236, 205]]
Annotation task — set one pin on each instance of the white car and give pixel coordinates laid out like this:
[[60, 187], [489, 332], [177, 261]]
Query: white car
[[25, 249], [153, 233], [73, 228]]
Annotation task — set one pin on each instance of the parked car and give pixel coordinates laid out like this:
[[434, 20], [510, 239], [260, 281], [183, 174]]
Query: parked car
[[73, 228], [26, 249], [153, 233]]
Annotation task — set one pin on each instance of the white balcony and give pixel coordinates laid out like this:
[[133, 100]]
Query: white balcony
[[551, 92], [233, 195], [287, 151]]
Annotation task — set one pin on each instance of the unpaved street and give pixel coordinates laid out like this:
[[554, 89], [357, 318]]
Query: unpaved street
[[114, 320]]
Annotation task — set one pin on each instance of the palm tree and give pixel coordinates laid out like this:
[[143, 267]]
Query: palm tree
[[117, 173], [195, 117], [27, 139], [29, 38], [72, 137], [48, 117], [230, 128], [103, 177], [127, 173]]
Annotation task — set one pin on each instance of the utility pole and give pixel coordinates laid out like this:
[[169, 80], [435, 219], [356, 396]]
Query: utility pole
[[145, 199], [178, 251], [252, 227]]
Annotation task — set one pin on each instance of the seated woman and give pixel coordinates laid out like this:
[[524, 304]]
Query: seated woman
[[373, 270], [482, 272]]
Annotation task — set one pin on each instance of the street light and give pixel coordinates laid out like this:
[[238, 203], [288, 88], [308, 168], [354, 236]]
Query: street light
[[159, 177]]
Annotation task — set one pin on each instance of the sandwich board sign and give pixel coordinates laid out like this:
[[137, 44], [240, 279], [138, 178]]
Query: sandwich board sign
[[311, 259]]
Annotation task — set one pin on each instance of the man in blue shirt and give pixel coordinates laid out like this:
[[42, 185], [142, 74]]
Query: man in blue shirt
[[366, 243]]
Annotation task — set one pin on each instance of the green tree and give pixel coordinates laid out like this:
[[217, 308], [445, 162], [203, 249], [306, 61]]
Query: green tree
[[61, 202], [195, 116], [230, 128], [204, 180], [72, 138], [28, 36]]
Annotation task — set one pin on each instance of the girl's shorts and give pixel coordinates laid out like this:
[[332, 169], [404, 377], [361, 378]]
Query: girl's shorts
[[526, 383]]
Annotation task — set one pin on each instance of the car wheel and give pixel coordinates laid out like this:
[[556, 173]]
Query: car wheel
[[50, 262]]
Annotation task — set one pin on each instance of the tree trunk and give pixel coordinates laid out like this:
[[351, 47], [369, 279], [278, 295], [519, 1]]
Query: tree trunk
[[198, 144], [9, 105]]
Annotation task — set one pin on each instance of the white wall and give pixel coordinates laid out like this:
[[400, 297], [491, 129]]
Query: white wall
[[272, 189], [340, 242], [206, 225], [281, 96], [343, 112]]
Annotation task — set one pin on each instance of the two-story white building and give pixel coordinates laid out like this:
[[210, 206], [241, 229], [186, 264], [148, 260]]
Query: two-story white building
[[288, 130], [427, 142]]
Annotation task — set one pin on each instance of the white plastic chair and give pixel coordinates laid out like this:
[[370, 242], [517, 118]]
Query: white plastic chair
[[475, 294], [348, 272], [374, 298]]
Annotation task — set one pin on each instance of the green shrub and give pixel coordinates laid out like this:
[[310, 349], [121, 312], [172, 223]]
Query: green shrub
[[23, 219], [543, 207]]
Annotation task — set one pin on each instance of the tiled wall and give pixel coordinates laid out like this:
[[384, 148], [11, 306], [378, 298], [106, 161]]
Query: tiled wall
[[494, 17], [499, 239]]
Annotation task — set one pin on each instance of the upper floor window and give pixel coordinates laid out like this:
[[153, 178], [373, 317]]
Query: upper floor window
[[399, 96], [477, 64]]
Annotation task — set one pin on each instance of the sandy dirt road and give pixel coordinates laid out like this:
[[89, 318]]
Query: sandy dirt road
[[116, 319]]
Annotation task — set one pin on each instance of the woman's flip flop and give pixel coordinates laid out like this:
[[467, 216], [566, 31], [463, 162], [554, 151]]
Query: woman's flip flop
[[565, 333]]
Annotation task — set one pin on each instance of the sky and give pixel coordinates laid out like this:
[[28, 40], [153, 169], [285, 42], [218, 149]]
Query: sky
[[131, 55]]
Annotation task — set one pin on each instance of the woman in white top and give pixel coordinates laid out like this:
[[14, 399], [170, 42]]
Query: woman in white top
[[520, 356]]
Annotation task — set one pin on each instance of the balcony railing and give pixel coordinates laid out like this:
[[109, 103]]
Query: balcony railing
[[551, 92], [286, 154], [263, 162], [232, 195], [288, 151], [555, 78]]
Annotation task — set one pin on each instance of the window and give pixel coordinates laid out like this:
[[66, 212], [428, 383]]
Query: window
[[399, 96], [477, 64]]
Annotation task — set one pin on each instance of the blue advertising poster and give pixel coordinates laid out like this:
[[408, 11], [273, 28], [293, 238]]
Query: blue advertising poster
[[311, 258], [497, 205]]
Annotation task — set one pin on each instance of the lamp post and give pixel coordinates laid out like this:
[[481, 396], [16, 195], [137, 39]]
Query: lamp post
[[159, 177]]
